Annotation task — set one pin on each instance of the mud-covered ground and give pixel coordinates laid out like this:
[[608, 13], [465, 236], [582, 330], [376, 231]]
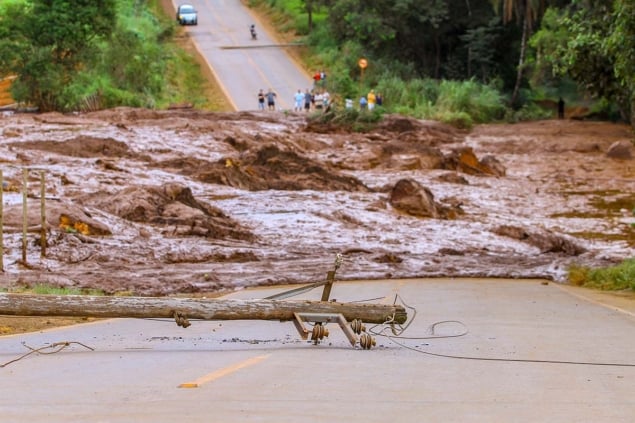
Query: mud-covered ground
[[183, 201]]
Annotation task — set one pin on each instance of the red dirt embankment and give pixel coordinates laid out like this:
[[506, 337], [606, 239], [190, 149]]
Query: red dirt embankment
[[5, 96]]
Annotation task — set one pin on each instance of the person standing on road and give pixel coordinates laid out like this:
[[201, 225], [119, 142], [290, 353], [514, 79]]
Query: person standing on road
[[323, 79], [326, 99], [299, 101], [316, 79], [363, 103], [261, 100], [379, 99], [307, 100], [372, 100], [318, 99], [271, 99]]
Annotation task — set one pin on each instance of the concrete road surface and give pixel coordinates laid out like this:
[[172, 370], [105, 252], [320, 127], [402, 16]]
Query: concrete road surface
[[244, 66], [476, 351]]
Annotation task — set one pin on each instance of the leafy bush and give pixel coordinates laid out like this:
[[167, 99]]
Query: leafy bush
[[127, 60], [480, 102], [353, 119], [529, 111], [621, 276], [461, 120]]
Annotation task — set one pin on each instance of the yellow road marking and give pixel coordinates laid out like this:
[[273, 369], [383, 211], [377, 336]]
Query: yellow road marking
[[588, 298], [224, 372]]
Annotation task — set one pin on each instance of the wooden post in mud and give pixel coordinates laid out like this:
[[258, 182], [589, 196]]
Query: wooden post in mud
[[25, 174], [43, 214], [190, 308], [1, 221]]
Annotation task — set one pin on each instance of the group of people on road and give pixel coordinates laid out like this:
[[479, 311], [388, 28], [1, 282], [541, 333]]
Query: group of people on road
[[316, 99], [311, 99]]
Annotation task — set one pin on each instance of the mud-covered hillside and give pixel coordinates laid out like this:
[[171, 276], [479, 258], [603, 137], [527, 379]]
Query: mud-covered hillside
[[178, 201]]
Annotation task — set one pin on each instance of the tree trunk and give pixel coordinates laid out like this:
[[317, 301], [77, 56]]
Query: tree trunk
[[206, 309], [469, 49], [521, 61], [437, 47], [309, 11]]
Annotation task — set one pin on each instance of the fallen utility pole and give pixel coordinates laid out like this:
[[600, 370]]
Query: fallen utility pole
[[349, 316], [204, 309]]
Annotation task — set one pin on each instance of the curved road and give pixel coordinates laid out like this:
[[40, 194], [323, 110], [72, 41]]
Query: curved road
[[241, 65]]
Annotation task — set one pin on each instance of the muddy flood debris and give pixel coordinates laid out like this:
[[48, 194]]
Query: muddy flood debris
[[182, 201]]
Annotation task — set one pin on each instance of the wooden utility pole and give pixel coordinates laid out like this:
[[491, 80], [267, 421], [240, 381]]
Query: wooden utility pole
[[43, 214], [190, 308], [1, 222], [25, 174]]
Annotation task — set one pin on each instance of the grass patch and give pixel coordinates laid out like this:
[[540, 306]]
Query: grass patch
[[628, 236], [614, 206], [605, 207], [191, 82], [350, 119], [613, 278], [44, 289]]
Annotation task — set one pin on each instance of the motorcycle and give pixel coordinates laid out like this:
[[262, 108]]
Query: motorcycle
[[252, 29]]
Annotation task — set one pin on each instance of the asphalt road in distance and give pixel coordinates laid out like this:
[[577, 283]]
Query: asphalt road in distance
[[241, 65]]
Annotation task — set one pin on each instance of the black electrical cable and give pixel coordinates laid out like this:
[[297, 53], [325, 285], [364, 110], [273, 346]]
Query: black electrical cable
[[398, 335], [514, 360]]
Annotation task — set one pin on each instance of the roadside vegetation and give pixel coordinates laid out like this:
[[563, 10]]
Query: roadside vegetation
[[461, 62], [44, 289], [619, 277], [94, 54], [469, 62], [612, 278]]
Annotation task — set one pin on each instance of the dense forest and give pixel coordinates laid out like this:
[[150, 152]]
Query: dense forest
[[527, 48], [510, 52]]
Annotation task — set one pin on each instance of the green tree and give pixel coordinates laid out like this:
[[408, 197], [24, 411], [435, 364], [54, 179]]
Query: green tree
[[620, 44], [52, 40], [402, 30], [481, 58], [597, 51], [546, 43], [454, 39], [311, 6], [527, 13]]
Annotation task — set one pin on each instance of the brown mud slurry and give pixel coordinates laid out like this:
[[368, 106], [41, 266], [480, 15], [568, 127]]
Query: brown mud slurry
[[188, 202]]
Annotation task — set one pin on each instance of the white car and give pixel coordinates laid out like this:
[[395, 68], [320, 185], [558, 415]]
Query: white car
[[186, 15]]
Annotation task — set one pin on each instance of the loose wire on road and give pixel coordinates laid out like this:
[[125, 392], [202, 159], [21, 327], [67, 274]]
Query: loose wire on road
[[57, 347], [509, 360], [398, 331]]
